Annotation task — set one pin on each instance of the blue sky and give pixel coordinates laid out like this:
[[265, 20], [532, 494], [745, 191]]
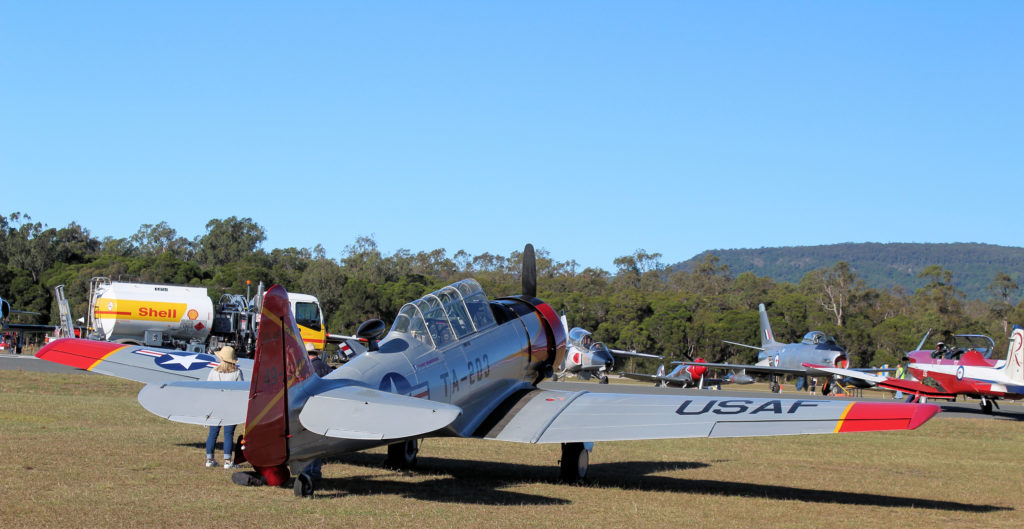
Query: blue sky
[[591, 129]]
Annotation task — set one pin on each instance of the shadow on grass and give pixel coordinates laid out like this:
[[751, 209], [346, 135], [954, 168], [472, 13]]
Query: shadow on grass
[[476, 482]]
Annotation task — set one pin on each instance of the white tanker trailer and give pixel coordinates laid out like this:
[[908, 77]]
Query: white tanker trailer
[[184, 317]]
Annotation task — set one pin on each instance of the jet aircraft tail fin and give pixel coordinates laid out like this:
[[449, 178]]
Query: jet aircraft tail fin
[[661, 370], [281, 364], [1015, 355], [767, 337]]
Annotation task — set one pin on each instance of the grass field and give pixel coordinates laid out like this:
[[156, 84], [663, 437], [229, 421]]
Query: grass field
[[78, 451]]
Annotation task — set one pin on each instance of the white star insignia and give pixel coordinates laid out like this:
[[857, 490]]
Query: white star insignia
[[183, 360]]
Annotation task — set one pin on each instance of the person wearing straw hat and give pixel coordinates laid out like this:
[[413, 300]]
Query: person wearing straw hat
[[226, 370]]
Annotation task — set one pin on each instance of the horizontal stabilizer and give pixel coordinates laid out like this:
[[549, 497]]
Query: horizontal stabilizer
[[204, 403], [744, 345], [355, 412]]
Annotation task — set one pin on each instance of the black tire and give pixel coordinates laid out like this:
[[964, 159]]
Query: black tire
[[604, 379], [303, 486], [554, 377], [775, 387], [986, 407], [402, 455], [826, 388], [574, 464]]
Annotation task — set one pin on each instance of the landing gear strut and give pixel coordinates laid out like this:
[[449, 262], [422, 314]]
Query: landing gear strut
[[575, 462], [402, 455]]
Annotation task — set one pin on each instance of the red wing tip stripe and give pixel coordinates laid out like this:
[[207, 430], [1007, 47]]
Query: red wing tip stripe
[[78, 353], [870, 416]]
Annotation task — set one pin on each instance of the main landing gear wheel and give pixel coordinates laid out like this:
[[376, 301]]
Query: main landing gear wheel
[[986, 407], [604, 379], [826, 388], [774, 386], [402, 455], [303, 485], [574, 464]]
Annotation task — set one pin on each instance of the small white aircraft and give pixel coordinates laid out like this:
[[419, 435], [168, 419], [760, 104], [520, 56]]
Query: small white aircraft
[[586, 358], [453, 364]]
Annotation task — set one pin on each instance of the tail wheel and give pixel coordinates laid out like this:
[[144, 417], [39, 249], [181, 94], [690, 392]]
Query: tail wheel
[[575, 463], [403, 455]]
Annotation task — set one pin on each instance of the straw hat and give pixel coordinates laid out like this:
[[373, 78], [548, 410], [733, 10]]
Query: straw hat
[[227, 354]]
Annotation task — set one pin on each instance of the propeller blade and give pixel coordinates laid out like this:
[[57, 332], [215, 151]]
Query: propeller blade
[[529, 272]]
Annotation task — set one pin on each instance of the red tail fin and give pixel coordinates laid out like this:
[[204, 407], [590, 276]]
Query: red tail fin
[[281, 362]]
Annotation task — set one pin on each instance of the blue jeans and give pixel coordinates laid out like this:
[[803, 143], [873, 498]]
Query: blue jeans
[[211, 440], [314, 469]]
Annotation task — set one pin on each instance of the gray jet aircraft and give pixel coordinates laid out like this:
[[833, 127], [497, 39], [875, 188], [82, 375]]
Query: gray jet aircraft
[[455, 365], [586, 358], [776, 358]]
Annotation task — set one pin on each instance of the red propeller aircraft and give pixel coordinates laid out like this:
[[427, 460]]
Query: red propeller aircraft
[[948, 373], [453, 364]]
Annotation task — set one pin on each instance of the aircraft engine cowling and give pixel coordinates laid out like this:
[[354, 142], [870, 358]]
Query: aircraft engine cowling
[[547, 340]]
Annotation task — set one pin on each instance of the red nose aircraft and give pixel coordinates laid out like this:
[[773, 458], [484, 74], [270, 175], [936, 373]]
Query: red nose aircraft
[[453, 364], [946, 373]]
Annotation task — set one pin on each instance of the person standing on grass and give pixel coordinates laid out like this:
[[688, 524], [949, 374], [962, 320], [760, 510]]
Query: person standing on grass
[[226, 371]]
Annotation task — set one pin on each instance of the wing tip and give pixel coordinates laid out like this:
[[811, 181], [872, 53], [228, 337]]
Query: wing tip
[[922, 414]]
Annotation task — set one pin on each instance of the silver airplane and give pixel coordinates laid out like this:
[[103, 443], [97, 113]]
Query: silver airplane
[[776, 358], [586, 358], [453, 364]]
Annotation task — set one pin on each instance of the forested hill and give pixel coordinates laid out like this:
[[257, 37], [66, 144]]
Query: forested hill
[[881, 266]]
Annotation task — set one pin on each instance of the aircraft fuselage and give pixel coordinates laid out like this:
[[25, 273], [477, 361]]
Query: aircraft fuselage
[[476, 373]]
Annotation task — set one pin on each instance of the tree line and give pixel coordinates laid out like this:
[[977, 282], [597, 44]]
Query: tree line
[[642, 305]]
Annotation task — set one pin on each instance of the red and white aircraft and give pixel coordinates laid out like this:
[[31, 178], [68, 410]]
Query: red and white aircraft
[[961, 371]]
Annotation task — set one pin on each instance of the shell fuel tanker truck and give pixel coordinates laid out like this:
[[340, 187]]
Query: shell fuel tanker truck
[[184, 317]]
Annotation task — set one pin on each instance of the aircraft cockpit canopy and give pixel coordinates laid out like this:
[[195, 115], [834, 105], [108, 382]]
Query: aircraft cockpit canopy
[[581, 337], [817, 338], [447, 315]]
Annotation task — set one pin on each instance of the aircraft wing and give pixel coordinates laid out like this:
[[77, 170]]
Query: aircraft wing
[[889, 383], [644, 377], [546, 416], [134, 362], [204, 403], [634, 354], [866, 376], [26, 327], [355, 412], [751, 368]]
